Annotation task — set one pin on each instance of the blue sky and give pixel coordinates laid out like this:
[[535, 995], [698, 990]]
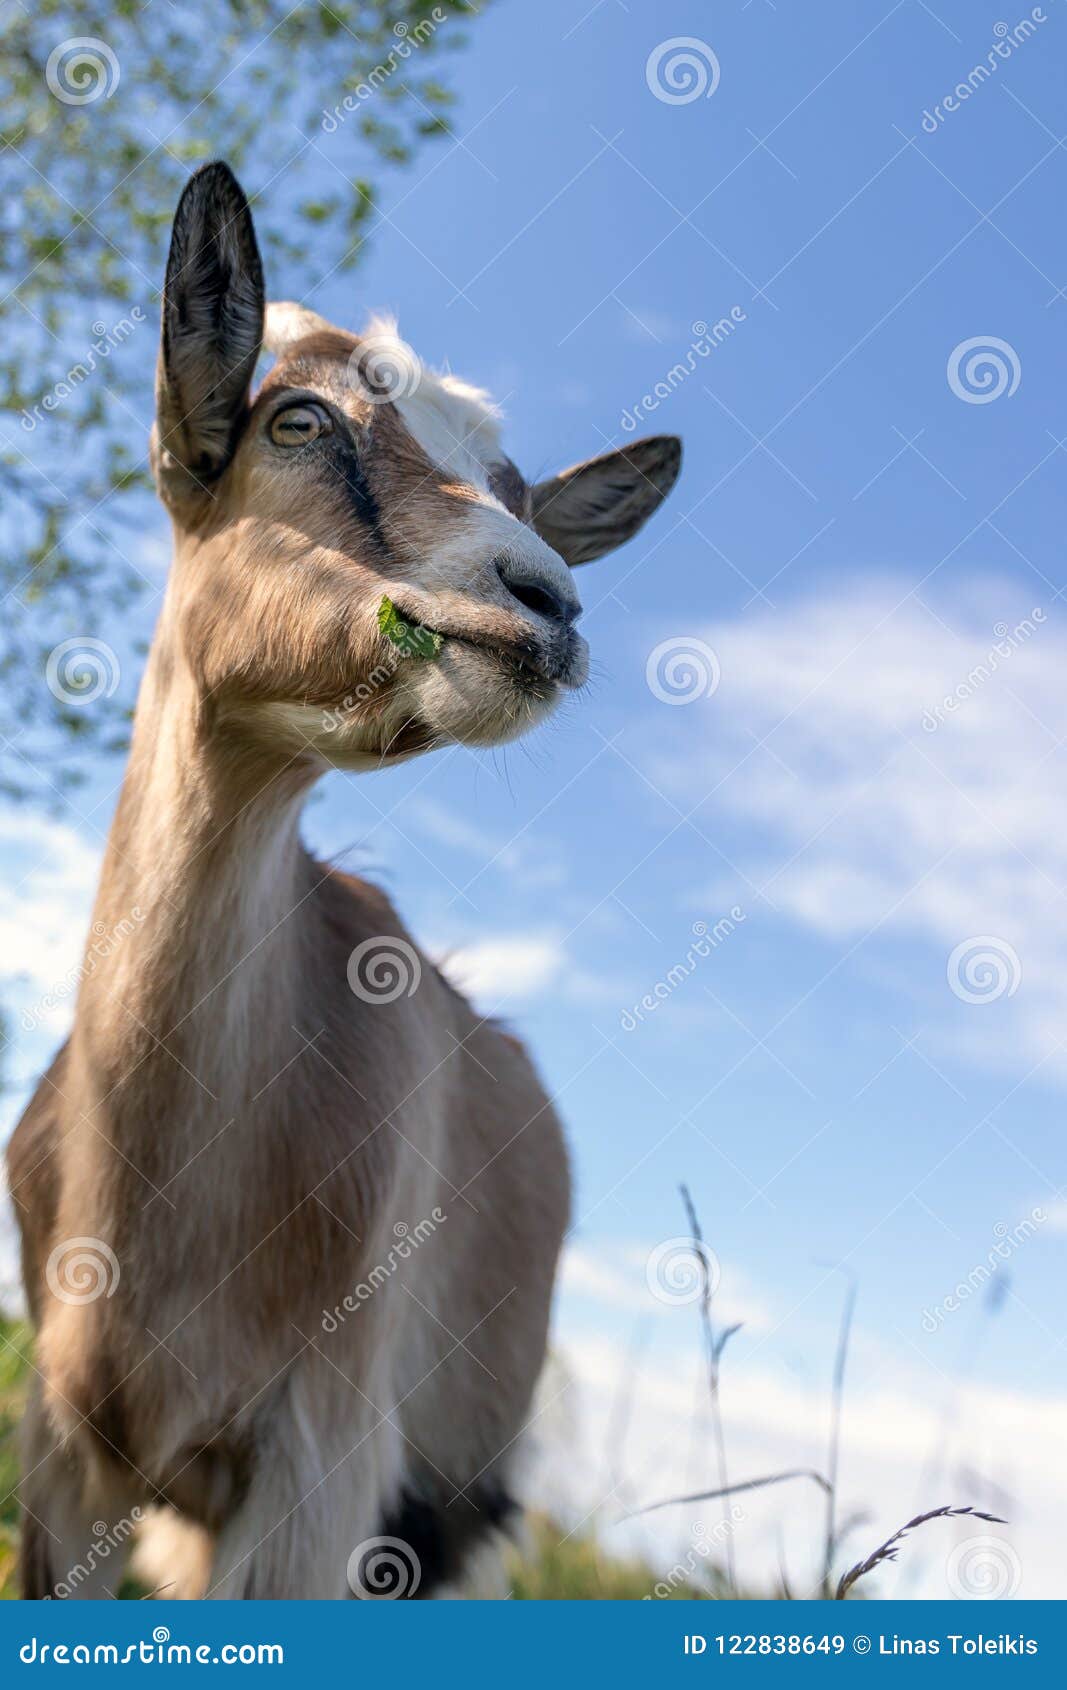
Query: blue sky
[[858, 526]]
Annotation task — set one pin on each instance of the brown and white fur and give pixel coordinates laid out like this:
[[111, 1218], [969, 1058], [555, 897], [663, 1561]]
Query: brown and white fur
[[240, 1136]]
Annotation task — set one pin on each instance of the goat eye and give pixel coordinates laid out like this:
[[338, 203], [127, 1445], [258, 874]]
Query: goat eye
[[298, 425]]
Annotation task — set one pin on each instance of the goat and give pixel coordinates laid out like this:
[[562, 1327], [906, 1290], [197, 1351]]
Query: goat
[[290, 1210]]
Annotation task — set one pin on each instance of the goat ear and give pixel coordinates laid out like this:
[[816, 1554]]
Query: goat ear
[[593, 507], [212, 332]]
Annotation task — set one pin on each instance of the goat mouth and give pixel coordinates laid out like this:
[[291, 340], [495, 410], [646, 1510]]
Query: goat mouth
[[539, 670], [538, 665]]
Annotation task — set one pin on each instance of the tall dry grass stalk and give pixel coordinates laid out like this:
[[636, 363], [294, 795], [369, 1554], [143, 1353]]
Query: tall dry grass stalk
[[714, 1345], [889, 1550], [837, 1395]]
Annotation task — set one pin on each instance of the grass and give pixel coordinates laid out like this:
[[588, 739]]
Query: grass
[[557, 1565], [14, 1341], [715, 1341]]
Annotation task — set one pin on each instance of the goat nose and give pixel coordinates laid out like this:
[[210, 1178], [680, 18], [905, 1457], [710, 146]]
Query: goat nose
[[529, 585]]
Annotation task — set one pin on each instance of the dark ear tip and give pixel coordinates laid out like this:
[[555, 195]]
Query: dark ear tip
[[662, 445], [672, 450], [215, 180], [215, 170], [662, 453], [214, 208]]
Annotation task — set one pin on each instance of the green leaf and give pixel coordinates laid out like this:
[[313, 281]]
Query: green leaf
[[410, 639]]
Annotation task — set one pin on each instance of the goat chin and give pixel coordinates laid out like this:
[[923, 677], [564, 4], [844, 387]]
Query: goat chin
[[470, 699]]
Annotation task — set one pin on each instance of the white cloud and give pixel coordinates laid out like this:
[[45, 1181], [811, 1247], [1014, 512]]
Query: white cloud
[[582, 1274], [515, 966], [869, 807], [647, 324], [50, 872], [511, 969], [1057, 1214]]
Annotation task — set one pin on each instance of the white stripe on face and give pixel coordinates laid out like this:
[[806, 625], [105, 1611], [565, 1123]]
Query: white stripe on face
[[455, 427], [458, 428]]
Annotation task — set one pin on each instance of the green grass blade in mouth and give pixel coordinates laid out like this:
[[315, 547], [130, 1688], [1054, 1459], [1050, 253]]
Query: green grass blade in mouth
[[409, 638]]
